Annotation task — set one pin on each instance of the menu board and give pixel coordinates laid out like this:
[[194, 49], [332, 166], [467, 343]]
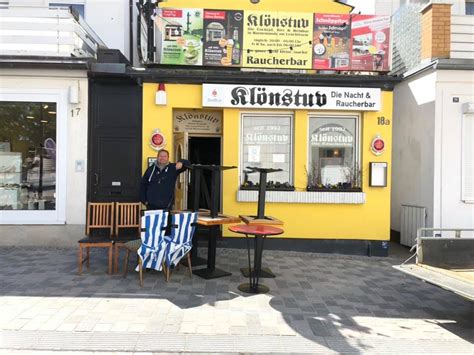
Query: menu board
[[370, 43], [278, 40], [179, 34], [331, 41], [223, 37]]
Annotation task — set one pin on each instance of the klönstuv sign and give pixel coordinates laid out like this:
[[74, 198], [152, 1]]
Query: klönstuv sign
[[291, 97]]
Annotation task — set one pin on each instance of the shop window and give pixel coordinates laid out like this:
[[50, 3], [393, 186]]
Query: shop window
[[469, 7], [468, 159], [267, 142], [27, 155], [334, 153]]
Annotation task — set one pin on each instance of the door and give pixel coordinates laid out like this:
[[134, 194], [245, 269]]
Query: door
[[33, 156], [181, 152], [115, 136]]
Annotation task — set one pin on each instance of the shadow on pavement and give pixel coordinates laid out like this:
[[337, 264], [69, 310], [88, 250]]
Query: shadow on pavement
[[330, 299]]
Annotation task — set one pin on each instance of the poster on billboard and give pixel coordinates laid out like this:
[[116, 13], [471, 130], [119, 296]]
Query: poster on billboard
[[277, 40], [331, 41], [179, 36], [223, 37], [370, 48]]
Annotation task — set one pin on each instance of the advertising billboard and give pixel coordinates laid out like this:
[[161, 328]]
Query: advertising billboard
[[223, 37], [370, 39], [331, 41]]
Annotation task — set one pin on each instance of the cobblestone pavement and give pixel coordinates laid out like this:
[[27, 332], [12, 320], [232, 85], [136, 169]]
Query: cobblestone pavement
[[317, 304]]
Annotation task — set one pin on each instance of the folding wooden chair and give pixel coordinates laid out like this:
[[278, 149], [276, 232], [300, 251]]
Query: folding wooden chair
[[179, 244], [151, 253], [99, 216], [127, 216]]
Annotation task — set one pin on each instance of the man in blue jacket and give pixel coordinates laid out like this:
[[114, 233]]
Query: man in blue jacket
[[158, 183]]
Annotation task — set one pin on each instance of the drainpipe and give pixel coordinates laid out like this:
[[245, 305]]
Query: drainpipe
[[130, 15]]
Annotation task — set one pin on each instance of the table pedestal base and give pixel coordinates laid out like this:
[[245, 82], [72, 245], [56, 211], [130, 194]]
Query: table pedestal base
[[248, 289], [209, 274], [265, 273]]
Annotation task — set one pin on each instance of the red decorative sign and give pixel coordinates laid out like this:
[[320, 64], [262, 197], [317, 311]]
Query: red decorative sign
[[377, 146], [157, 140], [172, 13]]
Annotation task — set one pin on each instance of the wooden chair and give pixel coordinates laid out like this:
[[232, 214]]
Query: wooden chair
[[127, 216], [99, 216]]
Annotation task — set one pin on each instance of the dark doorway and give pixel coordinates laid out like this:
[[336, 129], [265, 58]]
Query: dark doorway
[[206, 151], [115, 141]]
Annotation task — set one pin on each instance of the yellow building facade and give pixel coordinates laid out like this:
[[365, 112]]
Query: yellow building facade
[[325, 214]]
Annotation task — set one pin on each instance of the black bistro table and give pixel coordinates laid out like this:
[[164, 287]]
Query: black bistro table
[[213, 219], [260, 232]]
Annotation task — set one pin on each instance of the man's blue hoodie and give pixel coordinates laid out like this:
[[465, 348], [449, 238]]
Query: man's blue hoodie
[[158, 185]]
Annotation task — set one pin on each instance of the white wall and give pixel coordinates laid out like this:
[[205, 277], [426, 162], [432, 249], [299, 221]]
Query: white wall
[[110, 20], [76, 182], [450, 211], [413, 146]]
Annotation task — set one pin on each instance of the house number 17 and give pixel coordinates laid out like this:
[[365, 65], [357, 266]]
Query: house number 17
[[382, 121], [75, 111]]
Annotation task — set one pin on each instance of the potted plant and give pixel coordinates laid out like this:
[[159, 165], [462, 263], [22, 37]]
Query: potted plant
[[352, 180]]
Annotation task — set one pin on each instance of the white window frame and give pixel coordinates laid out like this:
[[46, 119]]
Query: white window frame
[[466, 140], [358, 134], [289, 114], [57, 216]]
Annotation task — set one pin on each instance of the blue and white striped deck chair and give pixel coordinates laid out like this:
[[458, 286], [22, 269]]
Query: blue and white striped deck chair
[[183, 226], [153, 248]]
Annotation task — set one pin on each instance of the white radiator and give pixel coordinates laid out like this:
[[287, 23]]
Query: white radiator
[[412, 218]]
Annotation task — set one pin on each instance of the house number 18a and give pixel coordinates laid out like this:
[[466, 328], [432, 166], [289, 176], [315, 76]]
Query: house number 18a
[[382, 121]]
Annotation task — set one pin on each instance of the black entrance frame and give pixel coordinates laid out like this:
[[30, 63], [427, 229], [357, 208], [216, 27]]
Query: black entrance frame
[[135, 93]]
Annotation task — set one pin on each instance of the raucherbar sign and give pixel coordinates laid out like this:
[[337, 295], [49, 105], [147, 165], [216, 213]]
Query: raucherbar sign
[[291, 97], [286, 40]]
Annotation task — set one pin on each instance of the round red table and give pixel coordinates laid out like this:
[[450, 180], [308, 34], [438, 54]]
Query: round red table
[[260, 232]]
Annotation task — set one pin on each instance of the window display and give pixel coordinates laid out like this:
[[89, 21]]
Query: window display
[[267, 142], [333, 153], [27, 155]]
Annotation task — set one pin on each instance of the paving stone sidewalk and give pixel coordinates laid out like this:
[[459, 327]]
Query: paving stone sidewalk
[[318, 303]]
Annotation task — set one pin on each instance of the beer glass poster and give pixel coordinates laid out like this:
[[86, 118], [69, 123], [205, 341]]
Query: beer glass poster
[[278, 40], [331, 41], [179, 36], [223, 37], [370, 43]]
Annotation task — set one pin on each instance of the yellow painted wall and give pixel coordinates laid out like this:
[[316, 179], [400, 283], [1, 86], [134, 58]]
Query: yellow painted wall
[[323, 221], [320, 6]]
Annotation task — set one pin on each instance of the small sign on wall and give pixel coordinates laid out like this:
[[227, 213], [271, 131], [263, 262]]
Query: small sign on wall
[[197, 121], [151, 160], [378, 174]]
